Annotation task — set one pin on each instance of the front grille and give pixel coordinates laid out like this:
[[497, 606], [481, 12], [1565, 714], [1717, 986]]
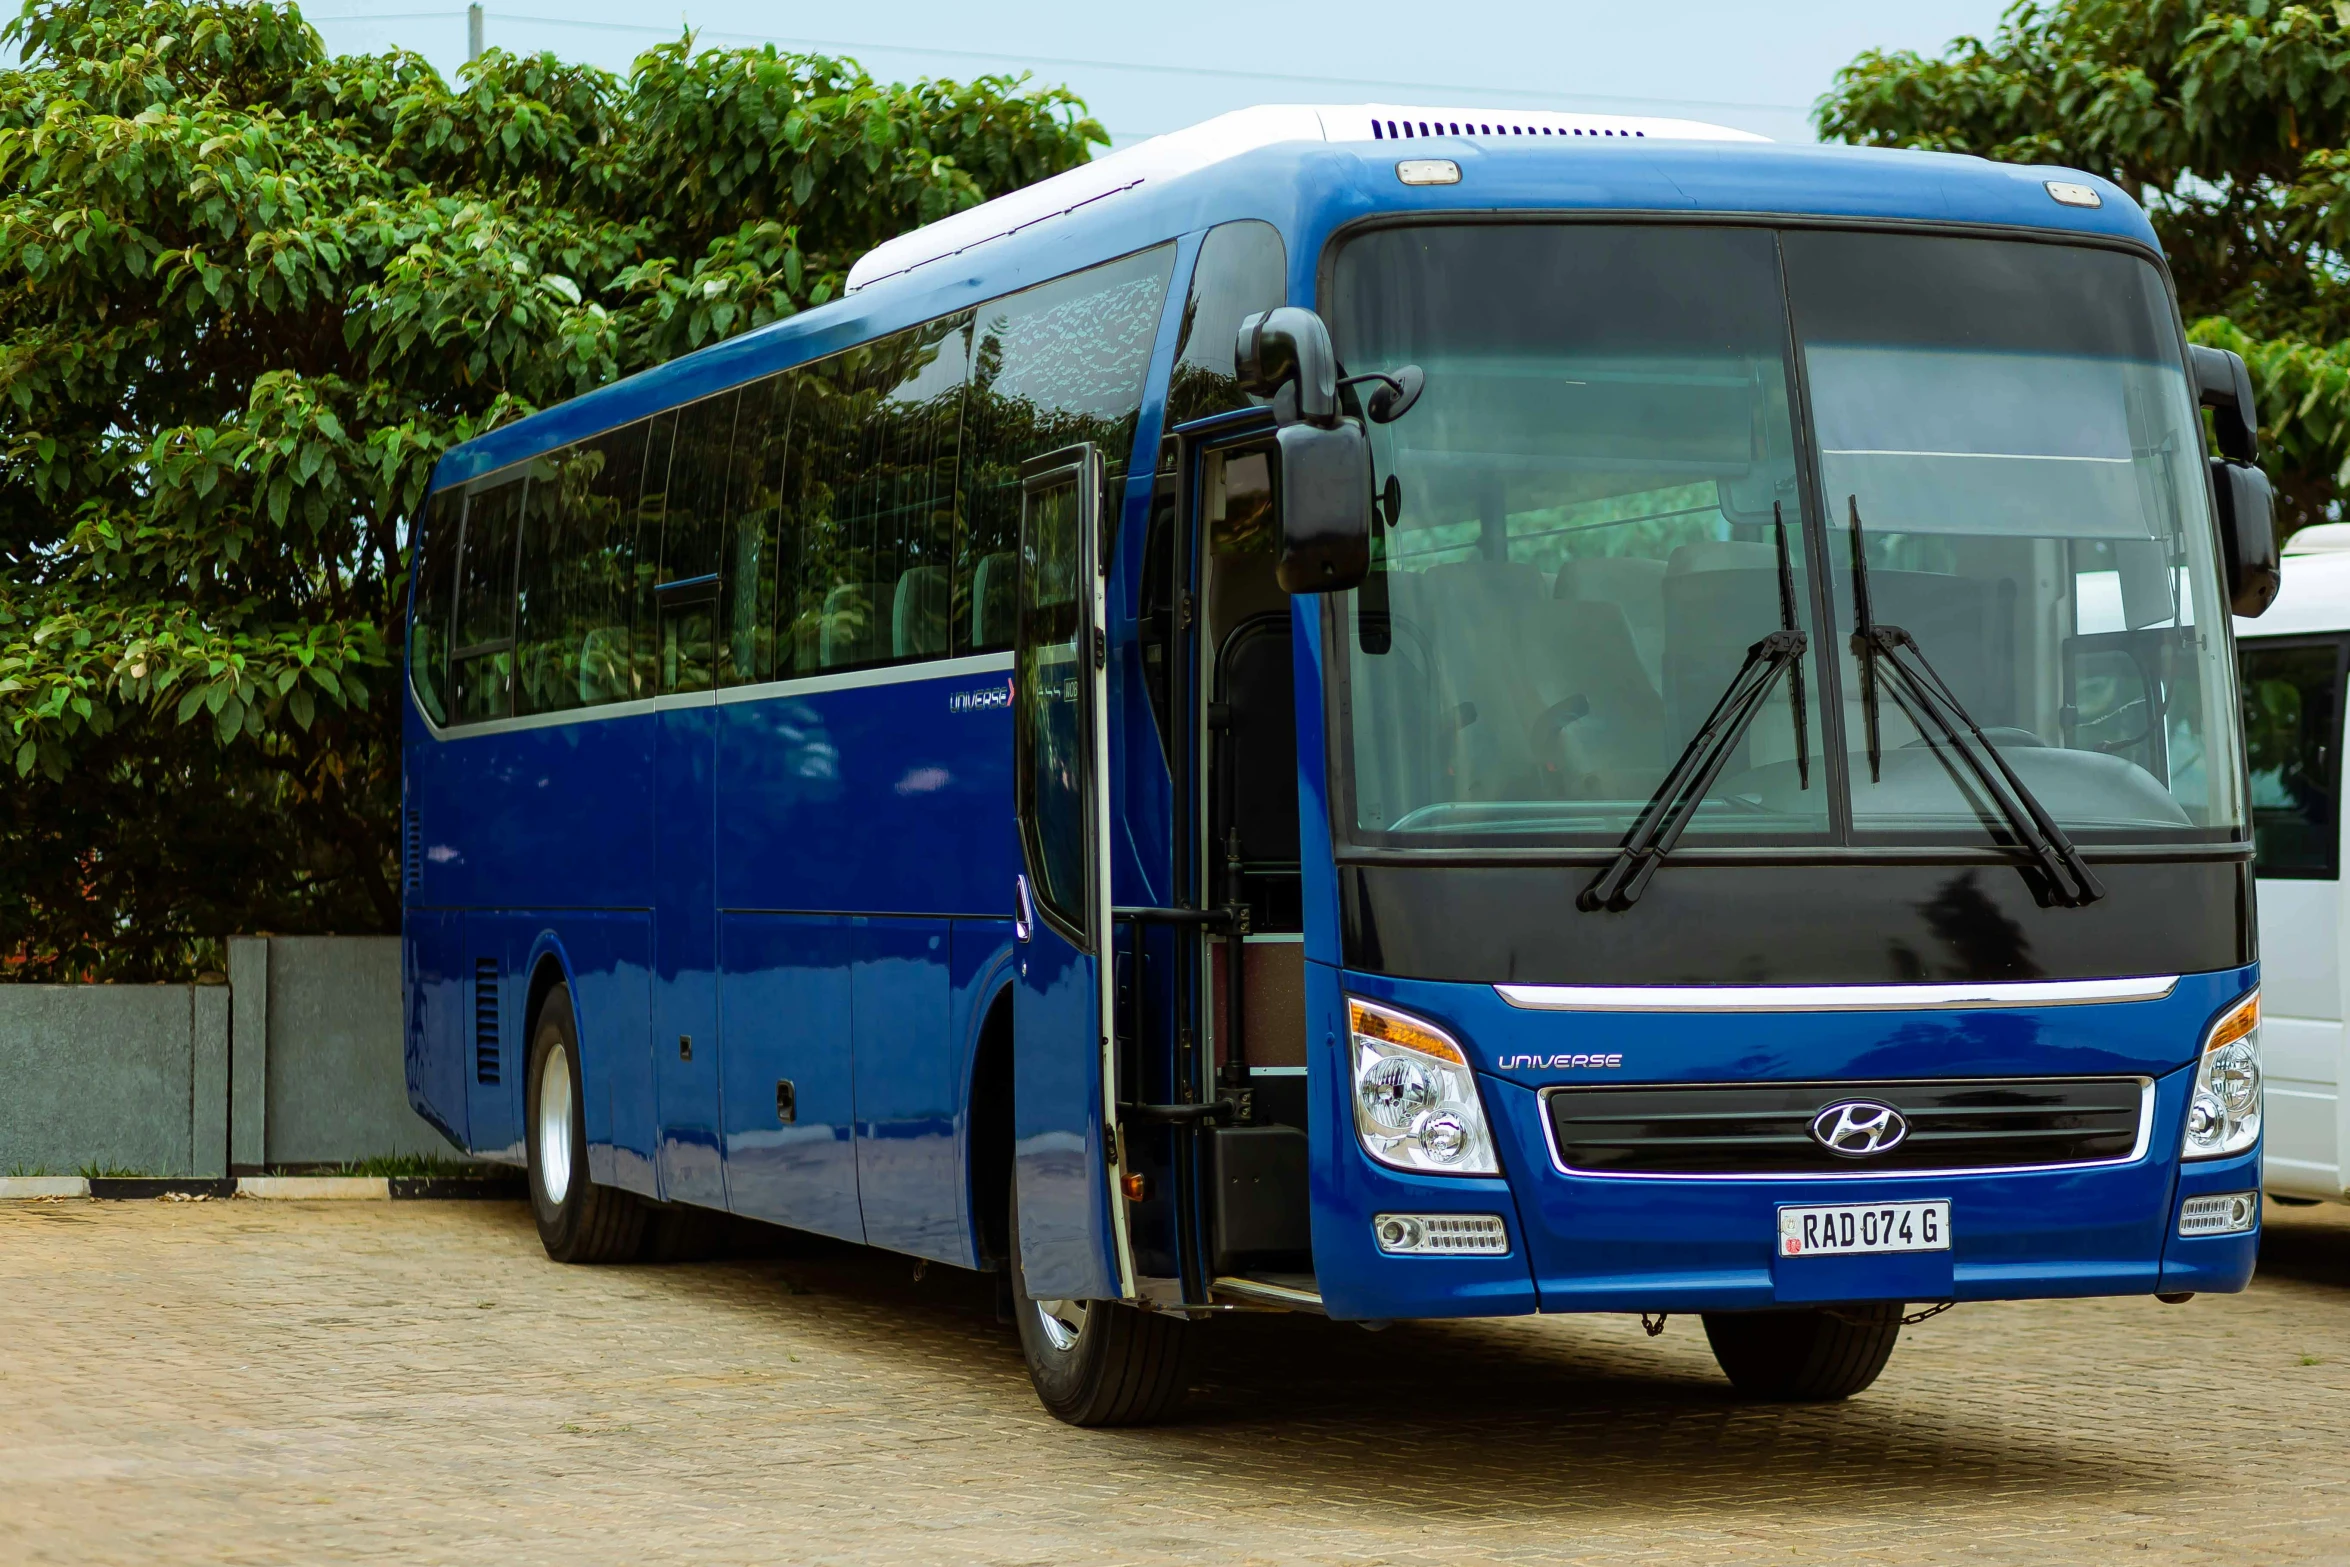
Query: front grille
[[1765, 1128]]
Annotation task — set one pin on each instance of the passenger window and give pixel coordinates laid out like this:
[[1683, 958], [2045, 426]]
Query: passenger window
[[578, 565], [2292, 732], [482, 656], [1063, 362], [867, 515], [747, 602], [1241, 270], [652, 501], [434, 549], [545, 680], [691, 531]]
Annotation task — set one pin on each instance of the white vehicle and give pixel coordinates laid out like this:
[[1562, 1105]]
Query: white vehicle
[[2293, 664]]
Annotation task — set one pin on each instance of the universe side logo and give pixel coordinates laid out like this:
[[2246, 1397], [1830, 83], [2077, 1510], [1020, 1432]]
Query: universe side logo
[[981, 700]]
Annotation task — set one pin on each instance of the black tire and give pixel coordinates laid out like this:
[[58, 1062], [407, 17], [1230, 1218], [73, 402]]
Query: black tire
[[584, 1222], [1804, 1356], [1122, 1367]]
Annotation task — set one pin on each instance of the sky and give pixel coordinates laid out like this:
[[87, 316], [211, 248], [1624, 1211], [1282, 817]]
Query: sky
[[1146, 69]]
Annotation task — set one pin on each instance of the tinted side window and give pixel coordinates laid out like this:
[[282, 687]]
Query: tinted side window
[[545, 680], [652, 502], [1242, 269], [692, 530], [435, 555], [747, 606], [1060, 363], [868, 501], [2292, 732], [578, 570], [482, 652]]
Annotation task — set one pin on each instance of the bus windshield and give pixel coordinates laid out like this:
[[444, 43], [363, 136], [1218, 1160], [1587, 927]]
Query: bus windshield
[[1644, 448]]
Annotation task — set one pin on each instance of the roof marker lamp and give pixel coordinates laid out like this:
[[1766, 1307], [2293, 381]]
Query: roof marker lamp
[[2223, 1112], [1416, 1105]]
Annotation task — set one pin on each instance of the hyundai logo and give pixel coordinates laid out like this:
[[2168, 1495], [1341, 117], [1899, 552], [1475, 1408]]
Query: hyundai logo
[[1857, 1128]]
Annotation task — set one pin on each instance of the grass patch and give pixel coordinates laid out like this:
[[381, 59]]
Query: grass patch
[[110, 1172], [430, 1166], [21, 1170]]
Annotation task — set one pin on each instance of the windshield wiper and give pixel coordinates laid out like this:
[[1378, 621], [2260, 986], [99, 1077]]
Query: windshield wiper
[[1675, 803], [1921, 693]]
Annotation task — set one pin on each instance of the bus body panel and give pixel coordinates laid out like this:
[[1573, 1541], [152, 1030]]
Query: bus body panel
[[888, 798], [685, 1043], [438, 1036], [785, 996], [2301, 1033], [551, 817]]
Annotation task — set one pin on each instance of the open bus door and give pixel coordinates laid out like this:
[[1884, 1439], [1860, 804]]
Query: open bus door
[[1071, 1220]]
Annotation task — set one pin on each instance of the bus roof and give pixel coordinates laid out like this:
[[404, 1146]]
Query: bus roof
[[1309, 170], [2315, 592]]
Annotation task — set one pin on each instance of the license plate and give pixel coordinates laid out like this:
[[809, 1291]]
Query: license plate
[[1853, 1228]]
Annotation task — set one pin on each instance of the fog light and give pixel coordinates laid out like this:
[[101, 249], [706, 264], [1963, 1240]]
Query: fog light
[[1441, 1234], [2226, 1213]]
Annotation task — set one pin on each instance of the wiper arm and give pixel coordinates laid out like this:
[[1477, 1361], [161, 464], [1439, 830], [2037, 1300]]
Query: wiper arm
[[1674, 805], [1920, 691]]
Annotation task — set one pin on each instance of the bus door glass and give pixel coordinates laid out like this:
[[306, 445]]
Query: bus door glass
[[1072, 1228], [2292, 690]]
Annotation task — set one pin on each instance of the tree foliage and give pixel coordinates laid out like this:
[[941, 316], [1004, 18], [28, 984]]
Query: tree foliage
[[2230, 122], [249, 294]]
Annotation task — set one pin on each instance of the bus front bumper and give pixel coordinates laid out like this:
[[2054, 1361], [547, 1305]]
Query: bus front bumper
[[1580, 1242]]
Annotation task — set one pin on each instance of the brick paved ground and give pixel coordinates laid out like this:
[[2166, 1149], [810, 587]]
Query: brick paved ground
[[292, 1383]]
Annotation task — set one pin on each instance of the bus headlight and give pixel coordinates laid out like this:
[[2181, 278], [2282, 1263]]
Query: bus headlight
[[2223, 1111], [1416, 1105]]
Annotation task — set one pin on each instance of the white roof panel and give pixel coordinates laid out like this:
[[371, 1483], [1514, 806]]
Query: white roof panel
[[2315, 597]]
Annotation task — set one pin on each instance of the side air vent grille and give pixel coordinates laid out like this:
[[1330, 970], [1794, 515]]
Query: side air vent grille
[[413, 857], [485, 1020], [1411, 130]]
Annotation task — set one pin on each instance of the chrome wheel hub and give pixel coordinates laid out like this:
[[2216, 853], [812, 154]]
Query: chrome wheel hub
[[1063, 1320], [554, 1125]]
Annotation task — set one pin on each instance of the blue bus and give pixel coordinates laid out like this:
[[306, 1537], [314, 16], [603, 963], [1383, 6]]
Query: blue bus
[[1387, 712]]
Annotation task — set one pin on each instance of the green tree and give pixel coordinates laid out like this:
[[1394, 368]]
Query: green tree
[[2230, 123], [249, 294]]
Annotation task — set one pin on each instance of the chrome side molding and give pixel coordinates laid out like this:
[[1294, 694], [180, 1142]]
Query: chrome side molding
[[1836, 998]]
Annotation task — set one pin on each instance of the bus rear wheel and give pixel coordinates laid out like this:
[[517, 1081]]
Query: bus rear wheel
[[578, 1220], [1813, 1356], [1099, 1362]]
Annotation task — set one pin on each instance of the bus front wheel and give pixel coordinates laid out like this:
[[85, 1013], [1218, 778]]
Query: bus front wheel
[[1098, 1362], [578, 1220], [1804, 1356]]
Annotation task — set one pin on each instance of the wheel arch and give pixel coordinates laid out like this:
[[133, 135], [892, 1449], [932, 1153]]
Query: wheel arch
[[987, 1111], [548, 966]]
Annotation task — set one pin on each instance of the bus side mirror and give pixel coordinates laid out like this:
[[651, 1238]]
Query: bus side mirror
[[1323, 496], [2224, 385], [2247, 534], [1322, 482], [1285, 354]]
